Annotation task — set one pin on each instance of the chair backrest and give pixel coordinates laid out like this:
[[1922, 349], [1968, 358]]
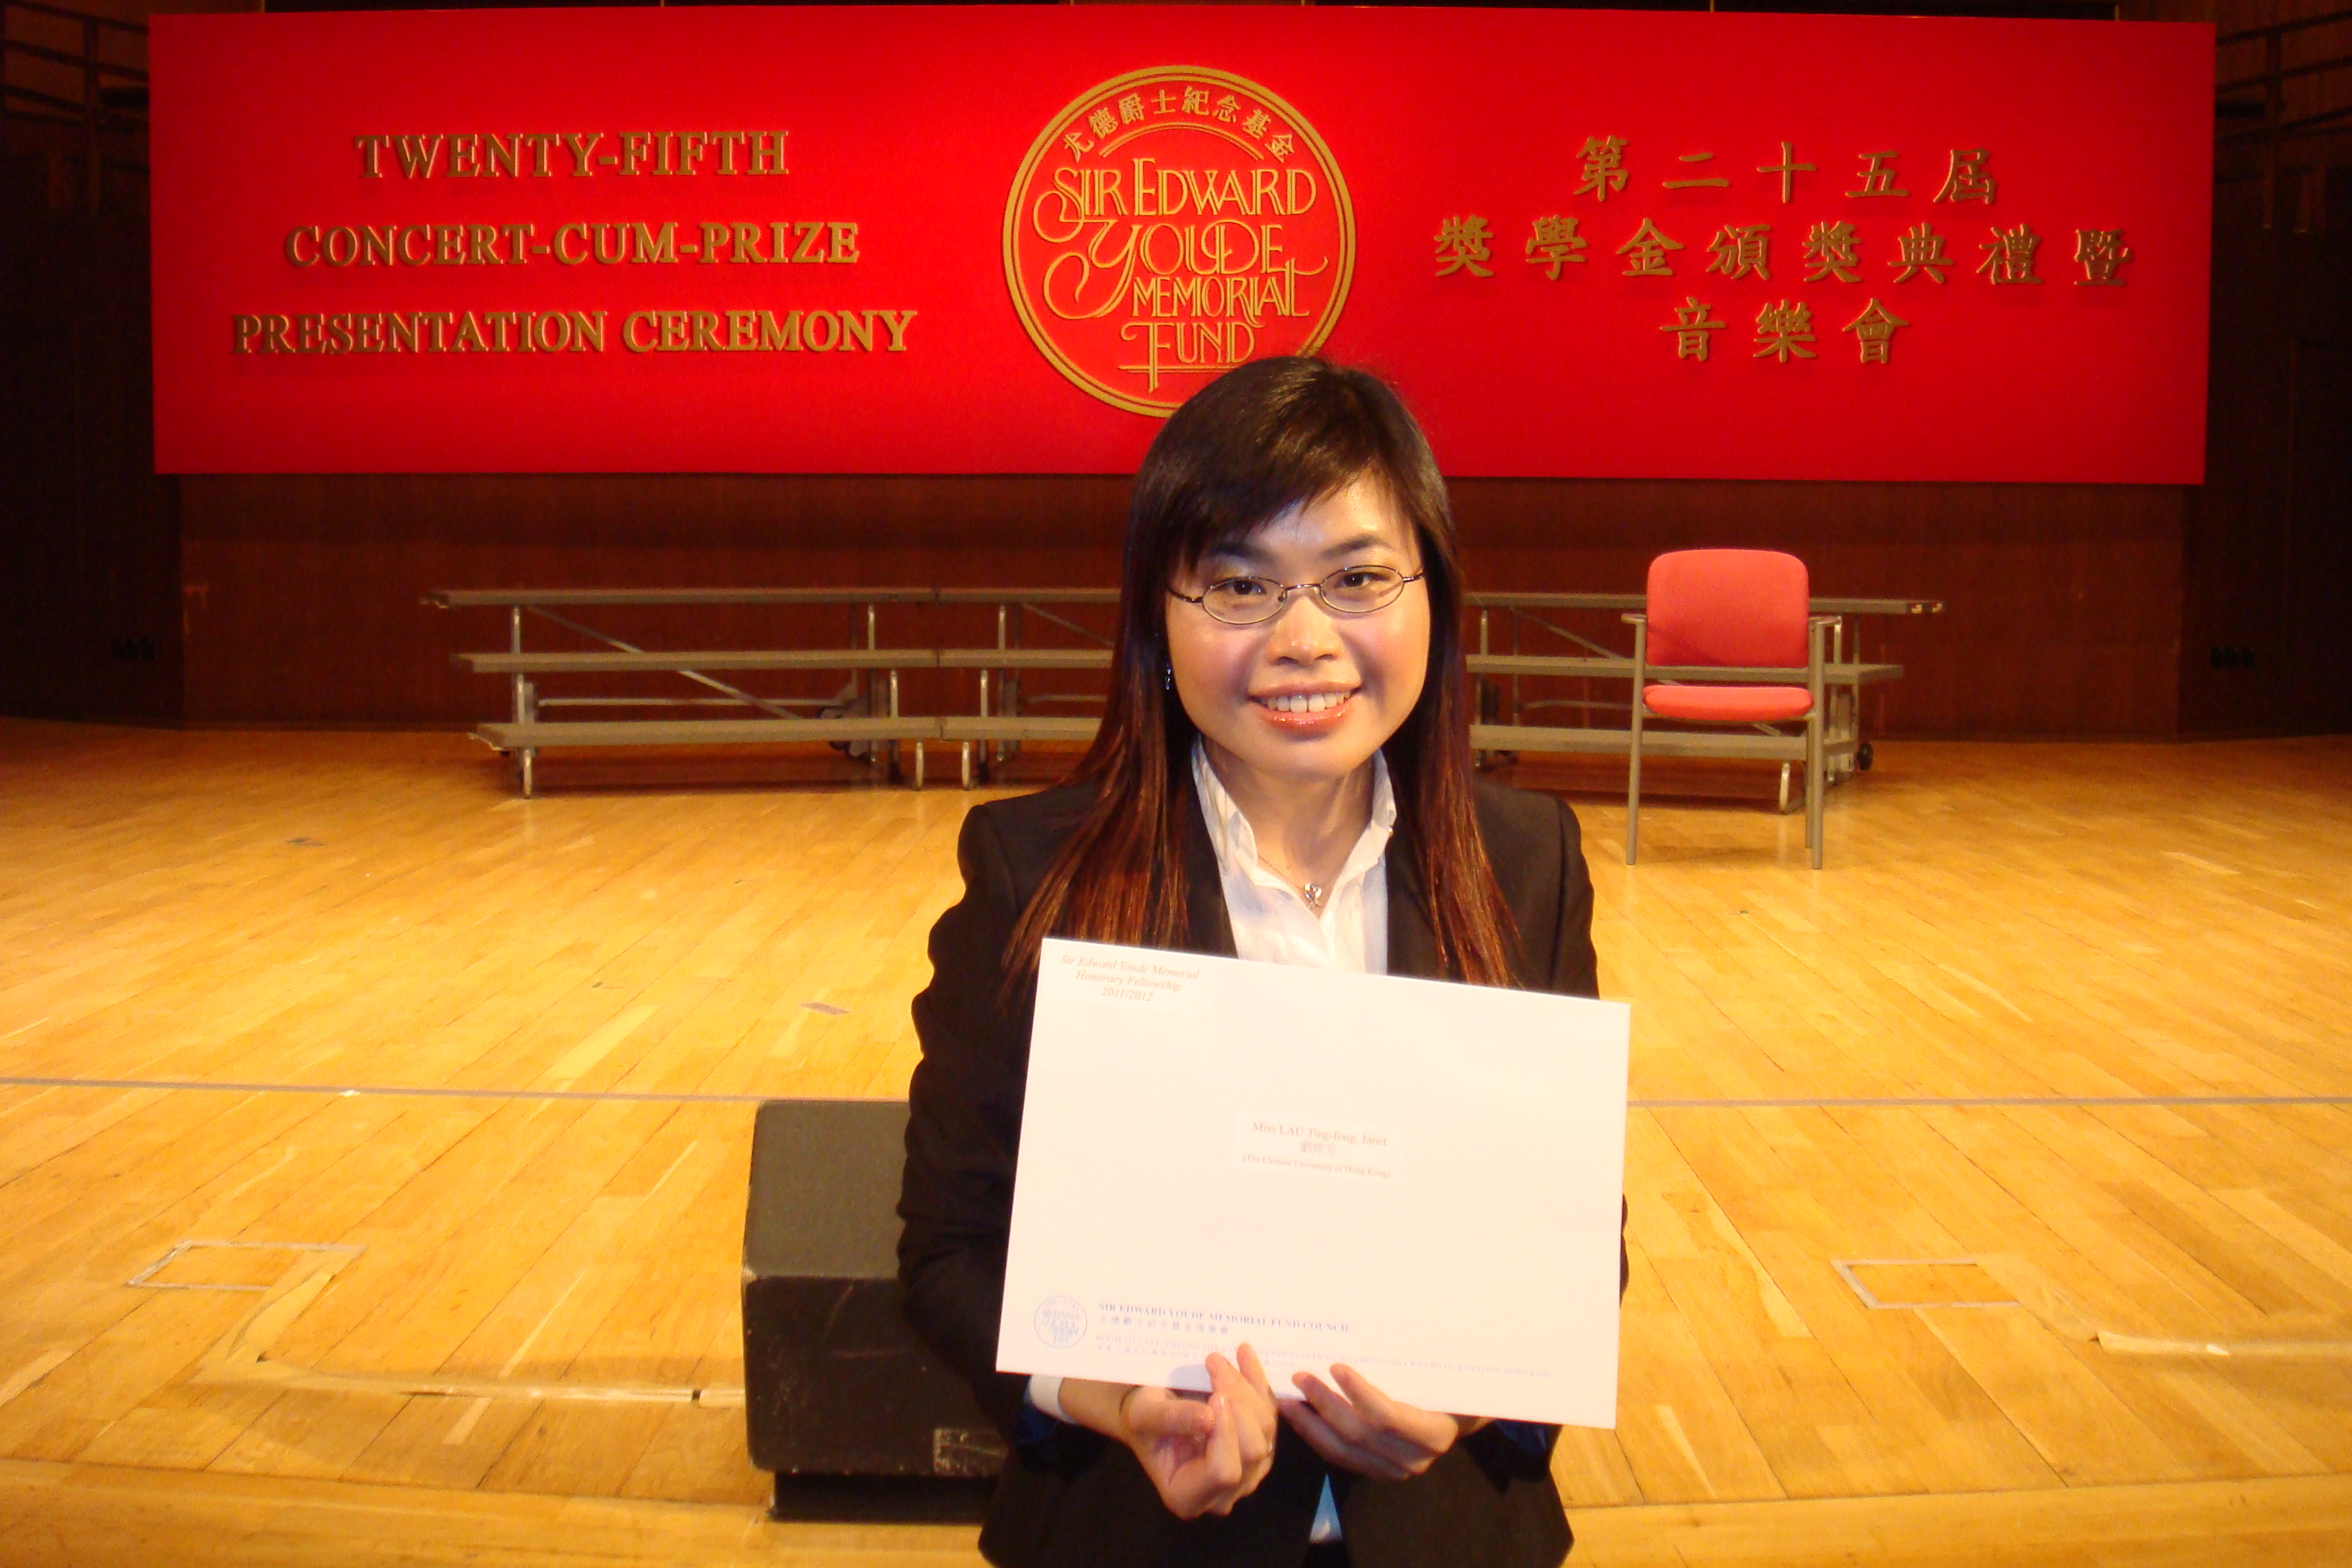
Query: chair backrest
[[1728, 608]]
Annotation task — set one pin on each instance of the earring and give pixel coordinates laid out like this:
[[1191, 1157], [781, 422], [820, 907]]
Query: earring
[[1168, 678]]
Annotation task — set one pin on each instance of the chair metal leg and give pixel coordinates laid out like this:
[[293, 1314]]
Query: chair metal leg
[[530, 756], [1634, 789], [1784, 787], [1633, 762], [919, 764], [967, 765], [1815, 786]]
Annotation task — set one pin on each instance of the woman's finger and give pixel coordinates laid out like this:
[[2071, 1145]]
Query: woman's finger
[[1335, 1450], [1158, 1413], [1220, 1459], [1252, 1406], [1425, 1428], [1333, 1406], [1254, 1371]]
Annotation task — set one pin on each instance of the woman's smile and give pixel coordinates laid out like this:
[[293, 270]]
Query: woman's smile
[[1290, 709]]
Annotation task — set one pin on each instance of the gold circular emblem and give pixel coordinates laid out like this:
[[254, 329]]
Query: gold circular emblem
[[1170, 225]]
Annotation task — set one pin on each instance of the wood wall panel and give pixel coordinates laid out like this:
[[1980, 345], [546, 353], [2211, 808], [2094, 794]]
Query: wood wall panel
[[303, 591]]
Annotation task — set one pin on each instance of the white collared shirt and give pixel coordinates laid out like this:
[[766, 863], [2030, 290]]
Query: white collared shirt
[[1271, 921], [1272, 924]]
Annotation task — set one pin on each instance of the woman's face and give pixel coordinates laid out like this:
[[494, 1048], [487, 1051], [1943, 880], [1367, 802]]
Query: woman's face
[[1308, 697]]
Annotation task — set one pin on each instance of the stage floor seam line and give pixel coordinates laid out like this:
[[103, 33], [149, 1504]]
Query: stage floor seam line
[[1858, 1102]]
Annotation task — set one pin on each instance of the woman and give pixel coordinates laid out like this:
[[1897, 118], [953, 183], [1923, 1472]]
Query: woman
[[1283, 774]]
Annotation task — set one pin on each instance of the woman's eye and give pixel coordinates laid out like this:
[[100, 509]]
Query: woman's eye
[[1238, 588]]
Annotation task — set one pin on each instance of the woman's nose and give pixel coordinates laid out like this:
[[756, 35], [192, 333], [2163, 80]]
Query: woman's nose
[[1304, 630]]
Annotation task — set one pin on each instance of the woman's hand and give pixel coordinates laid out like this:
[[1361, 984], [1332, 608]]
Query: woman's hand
[[1358, 1429], [1203, 1456]]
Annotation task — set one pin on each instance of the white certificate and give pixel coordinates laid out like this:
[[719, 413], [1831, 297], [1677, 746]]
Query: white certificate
[[1417, 1178]]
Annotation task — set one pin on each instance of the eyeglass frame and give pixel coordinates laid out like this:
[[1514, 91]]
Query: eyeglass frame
[[1314, 585]]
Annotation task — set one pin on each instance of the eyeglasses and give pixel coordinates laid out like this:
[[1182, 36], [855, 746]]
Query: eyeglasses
[[1254, 601]]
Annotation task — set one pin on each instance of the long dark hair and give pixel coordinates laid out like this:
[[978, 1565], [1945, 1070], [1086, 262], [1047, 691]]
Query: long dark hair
[[1261, 438]]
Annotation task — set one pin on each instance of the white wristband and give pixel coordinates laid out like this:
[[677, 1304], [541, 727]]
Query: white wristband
[[1046, 1395]]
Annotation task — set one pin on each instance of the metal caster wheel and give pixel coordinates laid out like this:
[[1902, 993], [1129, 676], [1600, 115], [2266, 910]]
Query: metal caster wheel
[[1862, 757]]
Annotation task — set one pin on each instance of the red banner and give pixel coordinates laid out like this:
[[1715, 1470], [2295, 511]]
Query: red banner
[[935, 240]]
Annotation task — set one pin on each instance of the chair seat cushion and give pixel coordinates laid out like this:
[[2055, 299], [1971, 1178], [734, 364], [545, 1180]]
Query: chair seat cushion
[[1729, 704]]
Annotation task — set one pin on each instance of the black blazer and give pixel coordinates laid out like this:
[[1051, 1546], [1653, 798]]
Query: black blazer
[[1079, 1499]]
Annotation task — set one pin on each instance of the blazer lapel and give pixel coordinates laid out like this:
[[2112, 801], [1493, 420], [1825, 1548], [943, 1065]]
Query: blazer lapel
[[1412, 942], [1208, 928]]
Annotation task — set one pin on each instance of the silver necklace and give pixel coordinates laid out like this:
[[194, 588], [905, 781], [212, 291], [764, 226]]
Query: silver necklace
[[1313, 893]]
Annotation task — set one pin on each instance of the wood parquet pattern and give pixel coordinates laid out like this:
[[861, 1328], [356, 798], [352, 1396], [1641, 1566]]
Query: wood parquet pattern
[[1999, 928]]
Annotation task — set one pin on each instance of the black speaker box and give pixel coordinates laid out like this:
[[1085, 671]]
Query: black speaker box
[[852, 1414]]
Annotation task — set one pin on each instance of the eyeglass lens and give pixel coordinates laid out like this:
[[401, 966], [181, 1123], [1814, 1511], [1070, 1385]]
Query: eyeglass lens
[[1350, 591]]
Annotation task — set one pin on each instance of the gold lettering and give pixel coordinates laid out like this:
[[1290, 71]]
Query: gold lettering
[[673, 331], [469, 334], [242, 332], [706, 332], [508, 152], [308, 333], [809, 233], [448, 244], [727, 142], [517, 243], [565, 256], [742, 329], [714, 235], [464, 157], [1144, 190], [371, 155], [293, 251], [588, 331], [403, 336], [844, 242], [832, 323], [746, 247], [650, 246], [768, 148], [376, 246], [581, 147], [634, 146], [481, 238], [342, 247], [416, 155], [629, 332], [415, 231], [538, 141], [784, 335], [273, 335], [853, 328], [1107, 192], [895, 323]]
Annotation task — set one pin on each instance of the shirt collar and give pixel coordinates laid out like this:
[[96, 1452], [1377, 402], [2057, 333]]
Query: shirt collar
[[1236, 842]]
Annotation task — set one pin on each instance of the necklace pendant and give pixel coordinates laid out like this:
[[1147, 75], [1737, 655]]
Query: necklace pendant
[[1315, 893]]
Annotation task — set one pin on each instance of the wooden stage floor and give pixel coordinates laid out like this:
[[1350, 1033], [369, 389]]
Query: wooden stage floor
[[458, 1088]]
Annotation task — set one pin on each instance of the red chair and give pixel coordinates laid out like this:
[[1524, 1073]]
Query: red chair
[[1726, 636]]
